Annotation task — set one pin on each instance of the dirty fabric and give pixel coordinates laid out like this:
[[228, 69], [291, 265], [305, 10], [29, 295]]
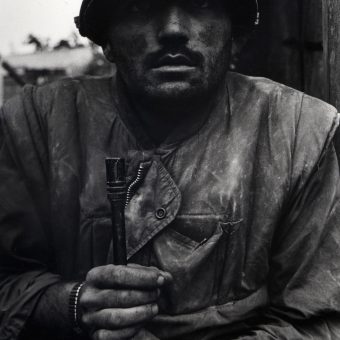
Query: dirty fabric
[[243, 210]]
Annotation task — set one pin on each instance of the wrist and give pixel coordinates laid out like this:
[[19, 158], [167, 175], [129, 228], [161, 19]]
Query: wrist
[[50, 315]]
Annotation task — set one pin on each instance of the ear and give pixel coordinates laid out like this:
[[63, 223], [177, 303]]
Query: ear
[[238, 44], [236, 48], [107, 49]]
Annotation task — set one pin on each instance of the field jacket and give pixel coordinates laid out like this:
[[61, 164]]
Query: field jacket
[[242, 210]]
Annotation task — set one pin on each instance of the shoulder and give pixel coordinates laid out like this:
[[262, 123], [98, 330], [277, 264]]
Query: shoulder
[[72, 91], [43, 98], [299, 125], [67, 97], [284, 107], [281, 98], [38, 111], [87, 83], [258, 87]]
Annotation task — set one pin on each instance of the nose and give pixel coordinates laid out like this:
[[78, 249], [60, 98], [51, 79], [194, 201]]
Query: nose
[[173, 27]]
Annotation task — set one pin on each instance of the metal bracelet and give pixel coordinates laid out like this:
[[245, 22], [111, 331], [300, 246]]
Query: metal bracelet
[[74, 307]]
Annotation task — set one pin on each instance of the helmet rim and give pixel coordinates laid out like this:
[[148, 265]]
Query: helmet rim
[[94, 29]]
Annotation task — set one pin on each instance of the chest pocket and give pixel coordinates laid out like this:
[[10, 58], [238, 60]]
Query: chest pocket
[[202, 263]]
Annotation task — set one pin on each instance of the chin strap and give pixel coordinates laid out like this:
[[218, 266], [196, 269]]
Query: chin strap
[[257, 20]]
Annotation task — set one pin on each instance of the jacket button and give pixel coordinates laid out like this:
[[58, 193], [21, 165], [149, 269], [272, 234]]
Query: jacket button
[[160, 213]]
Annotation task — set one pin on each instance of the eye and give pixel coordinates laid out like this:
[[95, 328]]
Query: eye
[[139, 6], [201, 3]]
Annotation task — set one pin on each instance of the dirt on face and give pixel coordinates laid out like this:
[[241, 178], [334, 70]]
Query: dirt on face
[[171, 49]]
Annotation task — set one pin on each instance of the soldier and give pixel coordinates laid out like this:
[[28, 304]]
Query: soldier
[[232, 224]]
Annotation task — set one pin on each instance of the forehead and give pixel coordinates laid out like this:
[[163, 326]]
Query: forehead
[[168, 2], [145, 10], [160, 4]]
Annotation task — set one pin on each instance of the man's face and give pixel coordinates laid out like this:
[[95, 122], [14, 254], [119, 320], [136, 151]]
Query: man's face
[[170, 49]]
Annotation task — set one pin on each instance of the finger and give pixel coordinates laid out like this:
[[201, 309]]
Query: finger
[[112, 319], [104, 334], [167, 276], [93, 298], [144, 335], [111, 276]]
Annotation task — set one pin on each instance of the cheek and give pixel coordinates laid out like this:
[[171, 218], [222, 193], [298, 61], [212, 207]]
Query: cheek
[[207, 36], [214, 36], [215, 45], [131, 46]]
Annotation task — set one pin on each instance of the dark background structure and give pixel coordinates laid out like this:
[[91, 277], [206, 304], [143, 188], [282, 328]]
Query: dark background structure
[[288, 45], [298, 44]]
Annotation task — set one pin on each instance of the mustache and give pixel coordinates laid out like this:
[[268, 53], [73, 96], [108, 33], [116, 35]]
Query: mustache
[[193, 58]]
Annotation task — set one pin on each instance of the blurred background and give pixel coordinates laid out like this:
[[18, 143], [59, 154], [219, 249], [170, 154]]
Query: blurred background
[[297, 43], [39, 43]]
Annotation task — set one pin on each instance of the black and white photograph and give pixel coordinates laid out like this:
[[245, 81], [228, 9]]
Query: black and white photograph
[[169, 170]]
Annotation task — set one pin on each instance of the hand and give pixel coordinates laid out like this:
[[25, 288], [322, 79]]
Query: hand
[[117, 301], [144, 335]]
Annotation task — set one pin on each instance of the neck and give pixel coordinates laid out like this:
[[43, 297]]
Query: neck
[[160, 118]]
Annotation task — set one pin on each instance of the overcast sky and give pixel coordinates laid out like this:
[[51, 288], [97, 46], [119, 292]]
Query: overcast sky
[[44, 18]]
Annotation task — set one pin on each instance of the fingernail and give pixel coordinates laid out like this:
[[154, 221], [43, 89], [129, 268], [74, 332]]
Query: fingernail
[[154, 309], [161, 280]]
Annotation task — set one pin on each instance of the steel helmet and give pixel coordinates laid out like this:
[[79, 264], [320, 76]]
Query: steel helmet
[[95, 15]]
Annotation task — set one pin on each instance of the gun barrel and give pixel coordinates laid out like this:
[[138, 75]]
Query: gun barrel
[[116, 193]]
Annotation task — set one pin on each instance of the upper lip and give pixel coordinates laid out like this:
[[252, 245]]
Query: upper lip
[[174, 60]]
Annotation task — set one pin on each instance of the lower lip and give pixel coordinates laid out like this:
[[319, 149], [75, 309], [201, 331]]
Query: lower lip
[[174, 68]]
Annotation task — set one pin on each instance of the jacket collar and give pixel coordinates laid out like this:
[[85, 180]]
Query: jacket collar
[[183, 132]]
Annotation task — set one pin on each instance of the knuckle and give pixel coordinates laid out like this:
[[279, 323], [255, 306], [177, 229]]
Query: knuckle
[[89, 276], [85, 319], [153, 277], [92, 274], [86, 297], [123, 276], [110, 268], [102, 274], [149, 311], [115, 298], [143, 313], [98, 335], [151, 297], [153, 310], [125, 296], [154, 269], [118, 273], [144, 297], [132, 298], [109, 272], [134, 265], [90, 297], [129, 332], [108, 320], [126, 333], [101, 299], [117, 319]]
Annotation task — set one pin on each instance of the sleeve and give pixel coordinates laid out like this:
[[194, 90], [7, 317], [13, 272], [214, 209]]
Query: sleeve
[[304, 280], [25, 249]]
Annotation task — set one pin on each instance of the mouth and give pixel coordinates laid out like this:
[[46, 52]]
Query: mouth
[[174, 62]]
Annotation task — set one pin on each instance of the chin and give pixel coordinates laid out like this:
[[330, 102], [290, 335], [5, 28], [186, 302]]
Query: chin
[[170, 91]]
